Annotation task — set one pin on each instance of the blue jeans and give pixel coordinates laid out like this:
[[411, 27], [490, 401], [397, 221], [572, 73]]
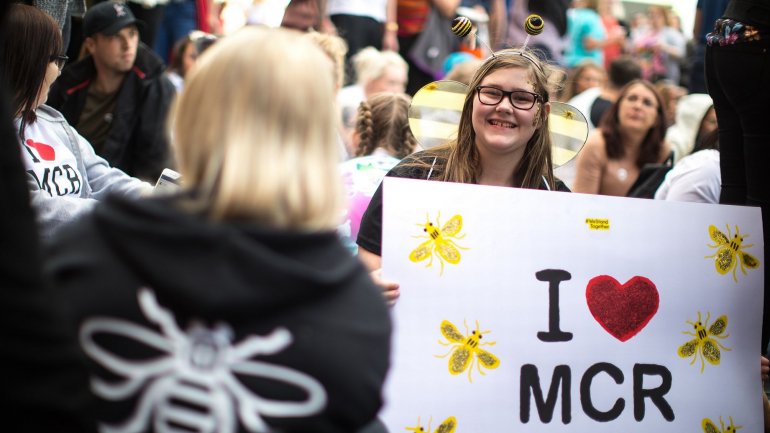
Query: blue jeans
[[179, 19], [738, 80]]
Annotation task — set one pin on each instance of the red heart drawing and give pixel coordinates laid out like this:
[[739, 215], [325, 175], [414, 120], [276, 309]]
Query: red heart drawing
[[624, 310], [45, 151]]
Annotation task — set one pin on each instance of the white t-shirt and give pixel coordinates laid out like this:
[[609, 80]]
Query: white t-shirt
[[695, 178], [365, 8], [50, 162]]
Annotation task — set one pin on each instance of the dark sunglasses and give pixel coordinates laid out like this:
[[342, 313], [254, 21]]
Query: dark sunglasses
[[60, 61]]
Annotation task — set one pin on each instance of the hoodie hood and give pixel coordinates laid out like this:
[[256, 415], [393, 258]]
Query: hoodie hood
[[286, 326], [690, 111], [191, 260]]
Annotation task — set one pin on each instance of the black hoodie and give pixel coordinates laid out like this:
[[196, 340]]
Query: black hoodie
[[179, 318]]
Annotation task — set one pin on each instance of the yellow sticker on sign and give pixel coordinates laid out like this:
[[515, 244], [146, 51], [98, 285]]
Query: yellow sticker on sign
[[598, 223]]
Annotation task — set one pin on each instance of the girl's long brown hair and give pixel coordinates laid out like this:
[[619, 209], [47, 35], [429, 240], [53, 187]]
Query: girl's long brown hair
[[459, 161]]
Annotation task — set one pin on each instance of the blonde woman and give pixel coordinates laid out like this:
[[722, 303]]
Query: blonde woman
[[233, 301], [376, 72], [502, 140]]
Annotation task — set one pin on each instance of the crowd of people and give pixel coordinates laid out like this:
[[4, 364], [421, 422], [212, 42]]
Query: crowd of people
[[257, 249]]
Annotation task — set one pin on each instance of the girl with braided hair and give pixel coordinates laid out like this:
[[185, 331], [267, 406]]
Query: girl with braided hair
[[383, 126], [381, 139]]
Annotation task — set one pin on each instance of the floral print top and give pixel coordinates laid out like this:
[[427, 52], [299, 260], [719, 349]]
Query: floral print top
[[729, 32]]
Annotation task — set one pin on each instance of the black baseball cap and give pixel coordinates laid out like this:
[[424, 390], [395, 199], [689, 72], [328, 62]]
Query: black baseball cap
[[109, 18]]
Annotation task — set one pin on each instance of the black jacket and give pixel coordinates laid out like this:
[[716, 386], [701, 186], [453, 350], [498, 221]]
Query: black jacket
[[756, 12], [175, 313], [137, 140]]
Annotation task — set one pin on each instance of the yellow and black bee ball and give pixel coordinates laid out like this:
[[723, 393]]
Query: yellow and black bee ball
[[461, 26], [534, 25]]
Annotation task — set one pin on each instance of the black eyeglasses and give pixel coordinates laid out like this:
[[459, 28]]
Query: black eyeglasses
[[60, 61], [520, 99]]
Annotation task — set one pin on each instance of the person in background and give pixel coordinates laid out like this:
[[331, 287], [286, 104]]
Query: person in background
[[24, 309], [335, 49], [117, 96], [463, 72], [382, 127], [179, 18], [377, 71], [670, 92], [62, 12], [150, 12], [594, 102], [630, 135], [660, 48], [65, 176], [185, 54], [586, 75], [361, 25], [695, 119], [615, 45], [737, 77], [585, 34], [696, 177], [550, 43], [382, 138], [502, 140], [265, 317], [497, 20], [411, 16], [706, 14]]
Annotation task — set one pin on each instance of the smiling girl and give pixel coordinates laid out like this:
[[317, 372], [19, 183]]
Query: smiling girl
[[502, 140]]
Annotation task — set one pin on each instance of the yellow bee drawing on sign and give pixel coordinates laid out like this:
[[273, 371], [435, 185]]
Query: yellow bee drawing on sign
[[448, 426], [704, 345], [464, 349], [439, 243], [710, 427], [730, 252]]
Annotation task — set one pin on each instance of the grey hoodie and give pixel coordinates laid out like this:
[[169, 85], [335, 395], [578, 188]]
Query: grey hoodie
[[99, 178]]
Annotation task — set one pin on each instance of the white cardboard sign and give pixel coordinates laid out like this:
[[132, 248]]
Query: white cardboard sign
[[595, 314]]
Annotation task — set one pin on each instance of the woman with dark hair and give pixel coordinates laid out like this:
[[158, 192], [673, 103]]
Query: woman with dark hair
[[585, 76], [184, 55], [66, 176], [630, 135]]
